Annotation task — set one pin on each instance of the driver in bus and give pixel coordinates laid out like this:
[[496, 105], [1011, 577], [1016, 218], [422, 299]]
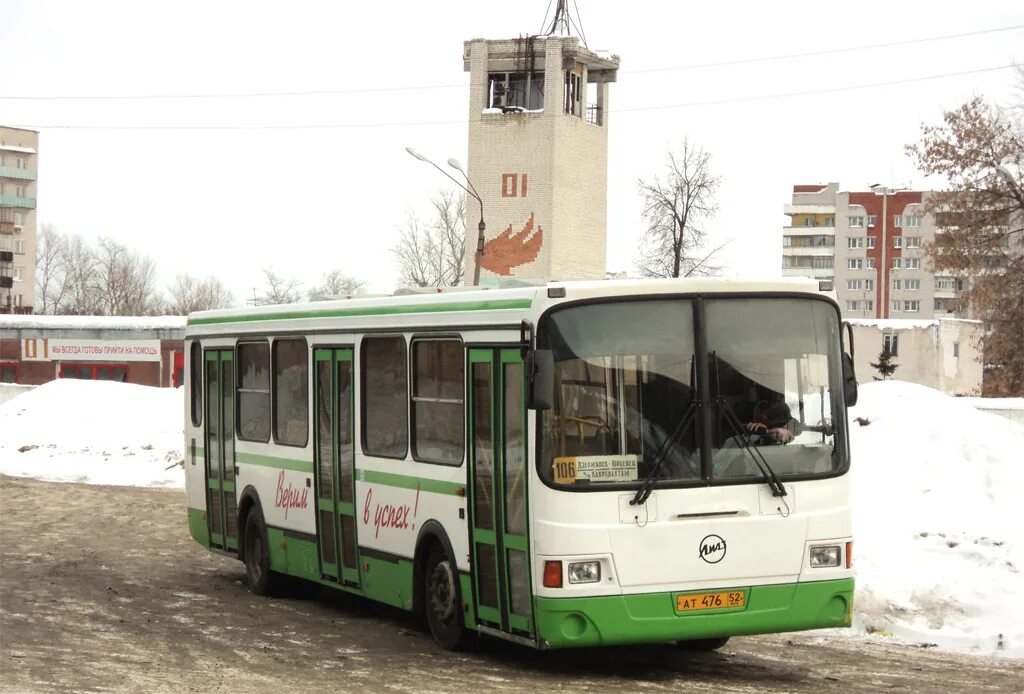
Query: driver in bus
[[774, 423]]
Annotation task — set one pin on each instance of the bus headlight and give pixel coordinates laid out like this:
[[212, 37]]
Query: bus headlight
[[826, 556], [585, 572]]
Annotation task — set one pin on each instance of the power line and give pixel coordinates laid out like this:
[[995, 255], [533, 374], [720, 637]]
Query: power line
[[372, 90], [810, 92], [692, 104], [829, 51]]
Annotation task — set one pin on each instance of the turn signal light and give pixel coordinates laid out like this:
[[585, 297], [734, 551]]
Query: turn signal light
[[849, 554], [552, 574]]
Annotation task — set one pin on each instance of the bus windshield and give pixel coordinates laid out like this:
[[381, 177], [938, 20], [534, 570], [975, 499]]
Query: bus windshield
[[627, 401]]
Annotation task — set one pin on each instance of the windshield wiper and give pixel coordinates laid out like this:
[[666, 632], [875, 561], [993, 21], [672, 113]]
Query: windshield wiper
[[774, 483], [645, 489]]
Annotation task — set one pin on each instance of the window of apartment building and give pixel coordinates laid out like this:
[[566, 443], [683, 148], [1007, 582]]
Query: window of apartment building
[[896, 305], [21, 163], [911, 285], [19, 192], [809, 222], [854, 263], [912, 221], [17, 274], [897, 221], [945, 305], [897, 285], [868, 304], [891, 343], [852, 305], [16, 300], [897, 242], [944, 283], [853, 285], [911, 263], [871, 241], [19, 219], [872, 220], [912, 306], [869, 284], [438, 384], [869, 263], [956, 350], [912, 242], [855, 242], [19, 247], [823, 263], [385, 397], [855, 222], [830, 221]]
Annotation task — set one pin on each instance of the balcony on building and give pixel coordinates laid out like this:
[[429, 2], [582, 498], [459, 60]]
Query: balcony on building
[[16, 173], [20, 202], [809, 220]]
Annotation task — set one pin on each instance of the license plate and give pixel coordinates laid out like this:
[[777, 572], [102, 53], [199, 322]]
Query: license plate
[[710, 601]]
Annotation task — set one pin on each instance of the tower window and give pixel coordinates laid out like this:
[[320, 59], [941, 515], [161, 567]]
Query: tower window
[[516, 91]]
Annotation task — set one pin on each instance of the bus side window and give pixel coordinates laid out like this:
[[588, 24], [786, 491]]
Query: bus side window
[[195, 364]]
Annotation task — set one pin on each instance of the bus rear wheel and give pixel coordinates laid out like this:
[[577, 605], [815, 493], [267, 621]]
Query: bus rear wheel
[[442, 600], [703, 645], [258, 575]]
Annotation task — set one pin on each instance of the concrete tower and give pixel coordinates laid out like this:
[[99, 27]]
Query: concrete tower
[[538, 157]]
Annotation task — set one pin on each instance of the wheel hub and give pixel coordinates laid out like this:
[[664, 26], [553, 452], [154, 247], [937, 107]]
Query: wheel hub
[[442, 591]]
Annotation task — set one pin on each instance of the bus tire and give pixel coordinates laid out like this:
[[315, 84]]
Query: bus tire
[[261, 580], [703, 645], [442, 600]]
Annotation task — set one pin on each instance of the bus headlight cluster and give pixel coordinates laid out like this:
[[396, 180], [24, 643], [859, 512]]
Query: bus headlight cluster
[[585, 572], [826, 556]]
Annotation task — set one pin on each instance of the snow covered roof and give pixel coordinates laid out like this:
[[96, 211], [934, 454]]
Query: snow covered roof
[[23, 150], [93, 322], [906, 323]]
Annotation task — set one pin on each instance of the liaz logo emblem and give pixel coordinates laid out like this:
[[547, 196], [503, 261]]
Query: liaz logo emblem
[[712, 549]]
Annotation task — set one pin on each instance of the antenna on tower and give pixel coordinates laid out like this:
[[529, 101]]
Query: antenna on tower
[[563, 24]]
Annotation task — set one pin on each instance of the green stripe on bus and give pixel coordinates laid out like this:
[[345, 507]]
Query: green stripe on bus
[[496, 305], [270, 461], [409, 482]]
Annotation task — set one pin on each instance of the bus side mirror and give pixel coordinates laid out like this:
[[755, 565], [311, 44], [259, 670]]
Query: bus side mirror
[[540, 370], [849, 381]]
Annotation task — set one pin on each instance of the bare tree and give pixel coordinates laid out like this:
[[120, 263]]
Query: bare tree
[[432, 254], [334, 284], [51, 273], [675, 209], [980, 152], [126, 281], [190, 294], [82, 297], [278, 290]]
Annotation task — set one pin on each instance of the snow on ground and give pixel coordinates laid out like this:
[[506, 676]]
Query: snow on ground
[[97, 432], [938, 528], [939, 536]]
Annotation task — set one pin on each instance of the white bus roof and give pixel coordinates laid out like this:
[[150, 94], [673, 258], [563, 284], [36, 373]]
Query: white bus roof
[[470, 307]]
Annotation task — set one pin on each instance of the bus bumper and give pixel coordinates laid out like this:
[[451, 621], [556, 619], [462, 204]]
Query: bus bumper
[[652, 617]]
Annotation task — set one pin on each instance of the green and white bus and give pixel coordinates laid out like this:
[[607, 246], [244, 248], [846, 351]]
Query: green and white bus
[[569, 464]]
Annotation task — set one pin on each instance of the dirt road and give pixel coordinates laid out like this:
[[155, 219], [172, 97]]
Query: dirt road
[[102, 589]]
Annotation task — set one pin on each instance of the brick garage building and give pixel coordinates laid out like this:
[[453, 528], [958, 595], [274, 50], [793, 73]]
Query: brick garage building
[[142, 350]]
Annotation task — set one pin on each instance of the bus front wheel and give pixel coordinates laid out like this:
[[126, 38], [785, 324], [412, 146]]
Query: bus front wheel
[[257, 555], [442, 599]]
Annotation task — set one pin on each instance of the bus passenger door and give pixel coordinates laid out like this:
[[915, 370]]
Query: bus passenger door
[[221, 514], [335, 466], [500, 549]]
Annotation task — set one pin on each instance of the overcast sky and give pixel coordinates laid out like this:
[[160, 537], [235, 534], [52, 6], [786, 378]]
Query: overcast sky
[[306, 200]]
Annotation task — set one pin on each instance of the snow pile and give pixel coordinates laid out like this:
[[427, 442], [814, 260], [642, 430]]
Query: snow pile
[[938, 527], [98, 432]]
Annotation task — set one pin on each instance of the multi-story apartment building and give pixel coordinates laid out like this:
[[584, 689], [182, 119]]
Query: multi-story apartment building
[[19, 164], [871, 245]]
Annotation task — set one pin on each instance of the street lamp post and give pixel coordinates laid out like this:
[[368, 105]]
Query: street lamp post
[[482, 227]]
